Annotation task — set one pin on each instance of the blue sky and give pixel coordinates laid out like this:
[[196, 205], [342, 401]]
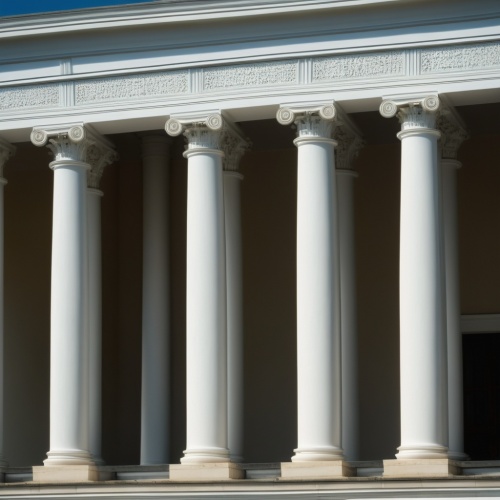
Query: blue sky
[[16, 7]]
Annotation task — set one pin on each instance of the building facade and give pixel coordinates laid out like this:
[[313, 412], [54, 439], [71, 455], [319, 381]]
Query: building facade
[[249, 250]]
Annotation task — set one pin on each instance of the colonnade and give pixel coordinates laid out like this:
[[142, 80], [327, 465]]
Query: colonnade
[[327, 433]]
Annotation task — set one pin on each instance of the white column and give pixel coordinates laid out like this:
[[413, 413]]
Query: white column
[[155, 436], [99, 155], [422, 334], [452, 136], [318, 306], [233, 150], [349, 145], [6, 151], [69, 398], [206, 384], [348, 314]]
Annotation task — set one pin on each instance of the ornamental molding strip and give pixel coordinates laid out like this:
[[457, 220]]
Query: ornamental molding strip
[[356, 70]]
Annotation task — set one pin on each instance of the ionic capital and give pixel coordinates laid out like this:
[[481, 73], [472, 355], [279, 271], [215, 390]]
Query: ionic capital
[[414, 113], [453, 133], [311, 121], [234, 145], [349, 142], [7, 150], [66, 142], [99, 155], [77, 142], [202, 132]]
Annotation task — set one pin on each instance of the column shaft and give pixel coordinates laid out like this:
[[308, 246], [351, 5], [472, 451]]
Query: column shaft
[[206, 346], [318, 342], [348, 314], [423, 389], [232, 211], [455, 374], [69, 348], [155, 303], [3, 461], [95, 321], [6, 151]]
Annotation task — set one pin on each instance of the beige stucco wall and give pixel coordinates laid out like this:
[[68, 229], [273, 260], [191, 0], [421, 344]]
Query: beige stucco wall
[[268, 221]]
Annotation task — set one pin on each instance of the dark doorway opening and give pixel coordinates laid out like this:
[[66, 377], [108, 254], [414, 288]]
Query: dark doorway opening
[[481, 361]]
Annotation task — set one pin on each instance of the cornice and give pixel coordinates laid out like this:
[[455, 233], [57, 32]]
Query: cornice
[[166, 11]]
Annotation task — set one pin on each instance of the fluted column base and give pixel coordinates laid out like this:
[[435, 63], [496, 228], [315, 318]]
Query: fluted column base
[[458, 455], [327, 469], [425, 467], [68, 457], [205, 455], [318, 454]]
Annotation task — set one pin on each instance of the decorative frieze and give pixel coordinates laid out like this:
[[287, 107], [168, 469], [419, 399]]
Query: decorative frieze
[[473, 57], [29, 96], [350, 67], [251, 75], [120, 88], [399, 66]]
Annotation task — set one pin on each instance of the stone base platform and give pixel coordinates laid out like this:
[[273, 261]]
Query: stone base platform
[[65, 473], [206, 472], [316, 470], [415, 468]]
